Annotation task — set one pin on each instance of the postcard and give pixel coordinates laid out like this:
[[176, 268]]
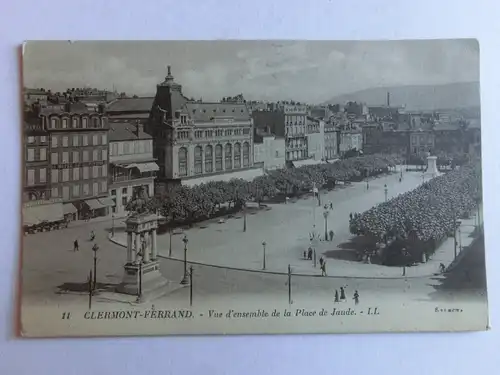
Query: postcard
[[251, 187]]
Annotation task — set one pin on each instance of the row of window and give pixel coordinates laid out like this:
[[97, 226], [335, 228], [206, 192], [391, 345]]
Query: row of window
[[64, 157], [83, 173], [36, 154], [75, 122], [79, 140], [296, 143], [33, 139], [31, 176], [78, 190], [132, 147], [296, 155], [295, 130], [232, 160], [184, 134]]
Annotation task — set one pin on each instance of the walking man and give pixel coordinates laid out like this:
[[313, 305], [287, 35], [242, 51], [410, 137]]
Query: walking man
[[323, 268], [356, 297], [342, 294], [331, 235], [336, 296], [321, 260], [75, 246], [367, 185]]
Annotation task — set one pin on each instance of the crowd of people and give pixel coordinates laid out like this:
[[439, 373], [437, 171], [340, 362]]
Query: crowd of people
[[429, 212]]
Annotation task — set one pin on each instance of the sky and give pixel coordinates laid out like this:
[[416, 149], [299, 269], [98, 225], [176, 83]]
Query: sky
[[307, 71]]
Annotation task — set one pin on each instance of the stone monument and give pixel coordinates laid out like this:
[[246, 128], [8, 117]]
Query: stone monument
[[142, 269], [432, 169]]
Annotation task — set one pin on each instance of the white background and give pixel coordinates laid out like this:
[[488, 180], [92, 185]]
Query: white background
[[406, 354]]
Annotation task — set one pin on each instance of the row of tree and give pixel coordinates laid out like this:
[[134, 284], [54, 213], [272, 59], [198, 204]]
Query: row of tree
[[186, 205]]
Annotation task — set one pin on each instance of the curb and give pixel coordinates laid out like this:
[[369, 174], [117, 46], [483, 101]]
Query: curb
[[285, 273]]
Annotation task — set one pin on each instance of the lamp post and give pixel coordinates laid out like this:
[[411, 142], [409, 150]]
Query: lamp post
[[423, 177], [113, 225], [95, 248], [460, 239], [185, 279], [264, 255], [244, 216], [170, 244], [139, 262], [190, 285], [385, 191], [325, 215]]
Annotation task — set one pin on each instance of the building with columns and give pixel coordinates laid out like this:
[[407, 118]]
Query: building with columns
[[195, 140]]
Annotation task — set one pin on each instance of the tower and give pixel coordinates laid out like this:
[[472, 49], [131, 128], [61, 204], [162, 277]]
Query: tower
[[388, 99]]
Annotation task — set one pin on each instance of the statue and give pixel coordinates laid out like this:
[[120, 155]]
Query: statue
[[140, 204]]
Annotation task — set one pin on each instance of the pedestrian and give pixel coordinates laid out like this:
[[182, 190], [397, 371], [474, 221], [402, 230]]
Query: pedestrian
[[442, 268], [310, 253], [305, 254], [331, 235], [336, 296], [321, 260], [75, 246], [356, 297], [92, 236], [342, 294], [331, 206], [367, 185], [323, 269]]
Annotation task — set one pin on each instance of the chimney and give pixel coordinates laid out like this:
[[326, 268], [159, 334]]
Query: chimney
[[36, 108], [139, 128], [67, 106], [101, 108], [388, 99]]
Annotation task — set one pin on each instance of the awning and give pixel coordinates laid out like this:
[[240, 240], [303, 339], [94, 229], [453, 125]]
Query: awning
[[43, 212], [108, 202], [94, 204], [147, 167], [300, 163], [69, 208]]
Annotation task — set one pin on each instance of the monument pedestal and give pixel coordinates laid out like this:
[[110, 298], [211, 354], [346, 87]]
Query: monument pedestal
[[146, 277], [432, 169]]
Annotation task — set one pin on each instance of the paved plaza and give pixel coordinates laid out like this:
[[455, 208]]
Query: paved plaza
[[285, 228]]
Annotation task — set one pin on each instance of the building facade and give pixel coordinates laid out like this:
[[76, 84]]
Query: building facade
[[129, 110], [421, 143], [78, 161], [131, 164], [295, 117], [315, 138], [377, 140], [350, 140], [331, 142], [269, 151], [194, 139]]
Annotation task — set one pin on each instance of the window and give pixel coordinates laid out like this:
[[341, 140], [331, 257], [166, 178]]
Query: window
[[246, 154], [95, 155], [54, 193], [114, 149], [198, 160], [54, 176], [208, 159], [64, 126], [104, 186], [43, 139], [31, 177], [54, 141], [124, 201], [85, 140], [95, 140], [66, 192], [95, 122], [85, 173], [76, 191], [228, 156], [85, 189], [113, 192], [65, 157], [125, 147], [104, 155], [85, 155], [54, 158], [124, 190], [84, 124], [75, 140], [104, 139], [76, 174], [31, 154], [277, 155], [183, 160], [43, 175], [218, 158], [95, 188], [75, 122], [104, 171], [95, 171], [31, 139], [237, 155], [65, 175], [76, 157], [43, 154]]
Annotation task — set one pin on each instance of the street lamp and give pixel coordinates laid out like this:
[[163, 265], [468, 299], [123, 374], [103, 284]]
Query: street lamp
[[385, 191], [185, 279], [264, 255], [325, 215], [244, 216], [113, 225], [423, 176], [138, 262], [95, 248], [460, 239], [170, 244]]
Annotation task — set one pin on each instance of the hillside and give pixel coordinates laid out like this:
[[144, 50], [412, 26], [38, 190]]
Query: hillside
[[454, 95]]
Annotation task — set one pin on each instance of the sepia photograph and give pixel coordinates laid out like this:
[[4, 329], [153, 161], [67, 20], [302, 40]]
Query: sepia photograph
[[251, 187]]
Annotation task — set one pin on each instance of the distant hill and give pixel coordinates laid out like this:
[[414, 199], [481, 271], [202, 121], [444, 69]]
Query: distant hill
[[453, 95]]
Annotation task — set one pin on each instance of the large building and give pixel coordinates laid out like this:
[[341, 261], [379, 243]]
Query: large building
[[78, 140], [295, 131], [269, 151], [130, 110], [350, 140], [377, 139], [331, 141], [195, 140], [131, 163], [315, 138]]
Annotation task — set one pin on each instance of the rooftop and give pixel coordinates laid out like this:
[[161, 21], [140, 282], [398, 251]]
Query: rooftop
[[205, 112], [126, 132], [142, 104]]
